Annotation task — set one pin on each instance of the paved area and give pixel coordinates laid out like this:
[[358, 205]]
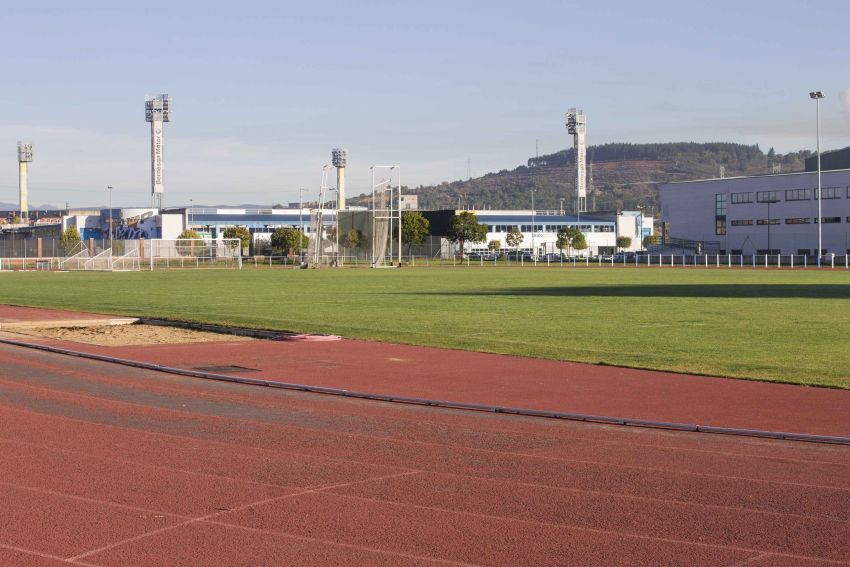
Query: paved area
[[110, 465]]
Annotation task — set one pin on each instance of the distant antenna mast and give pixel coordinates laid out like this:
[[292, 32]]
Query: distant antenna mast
[[157, 112], [24, 158], [577, 126]]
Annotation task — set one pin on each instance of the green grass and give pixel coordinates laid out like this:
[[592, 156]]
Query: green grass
[[789, 326]]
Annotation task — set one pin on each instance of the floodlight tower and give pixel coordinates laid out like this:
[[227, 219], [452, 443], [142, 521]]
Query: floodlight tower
[[577, 126], [339, 159], [24, 157], [157, 111]]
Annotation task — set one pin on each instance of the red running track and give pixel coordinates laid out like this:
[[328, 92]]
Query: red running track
[[480, 378], [109, 465], [515, 381]]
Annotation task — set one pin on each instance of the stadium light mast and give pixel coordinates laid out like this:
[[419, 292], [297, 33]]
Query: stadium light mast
[[24, 158], [339, 159], [157, 112], [577, 126], [816, 96]]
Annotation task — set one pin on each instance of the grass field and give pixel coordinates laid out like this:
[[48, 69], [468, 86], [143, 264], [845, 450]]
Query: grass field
[[790, 326]]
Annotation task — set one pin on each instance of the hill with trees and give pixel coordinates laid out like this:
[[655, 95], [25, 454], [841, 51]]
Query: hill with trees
[[619, 176]]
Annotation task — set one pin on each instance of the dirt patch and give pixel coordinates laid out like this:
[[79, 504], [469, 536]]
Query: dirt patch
[[129, 335]]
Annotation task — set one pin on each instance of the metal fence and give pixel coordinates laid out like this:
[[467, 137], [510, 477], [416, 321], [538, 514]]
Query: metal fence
[[752, 261], [118, 255]]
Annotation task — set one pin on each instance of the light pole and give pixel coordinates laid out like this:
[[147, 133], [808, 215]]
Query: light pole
[[533, 250], [301, 225], [109, 190], [817, 95], [191, 210]]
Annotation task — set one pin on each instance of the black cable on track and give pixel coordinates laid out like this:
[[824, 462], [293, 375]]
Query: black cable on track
[[608, 420]]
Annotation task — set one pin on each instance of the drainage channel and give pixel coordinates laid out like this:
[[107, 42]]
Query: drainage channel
[[602, 419]]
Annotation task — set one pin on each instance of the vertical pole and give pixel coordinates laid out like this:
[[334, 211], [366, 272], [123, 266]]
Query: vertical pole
[[820, 215], [399, 217], [533, 249], [300, 225]]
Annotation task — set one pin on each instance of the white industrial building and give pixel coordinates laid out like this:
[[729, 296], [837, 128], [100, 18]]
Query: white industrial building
[[766, 214], [540, 230]]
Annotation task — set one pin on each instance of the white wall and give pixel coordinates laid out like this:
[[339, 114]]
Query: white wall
[[690, 209]]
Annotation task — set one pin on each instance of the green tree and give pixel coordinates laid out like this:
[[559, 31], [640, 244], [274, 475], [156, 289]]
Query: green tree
[[69, 240], [414, 228], [571, 237], [514, 237], [494, 245], [352, 239], [464, 228], [623, 242], [188, 248], [240, 232], [651, 240], [287, 239], [580, 243]]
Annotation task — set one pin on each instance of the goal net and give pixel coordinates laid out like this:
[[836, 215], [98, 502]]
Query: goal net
[[193, 253]]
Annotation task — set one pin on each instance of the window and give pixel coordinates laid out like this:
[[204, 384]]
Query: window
[[762, 222], [798, 220], [745, 197], [803, 251], [798, 194], [830, 193], [767, 251], [720, 227], [748, 222], [828, 220], [720, 205], [766, 197], [737, 252]]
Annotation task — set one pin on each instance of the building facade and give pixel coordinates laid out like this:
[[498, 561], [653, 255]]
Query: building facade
[[539, 230], [767, 214]]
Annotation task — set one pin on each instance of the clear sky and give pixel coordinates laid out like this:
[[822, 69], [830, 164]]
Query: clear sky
[[264, 90]]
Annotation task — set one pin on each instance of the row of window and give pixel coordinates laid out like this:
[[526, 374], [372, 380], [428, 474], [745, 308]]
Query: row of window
[[790, 195], [720, 223], [549, 228], [795, 220]]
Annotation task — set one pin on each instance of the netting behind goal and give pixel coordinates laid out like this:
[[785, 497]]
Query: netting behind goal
[[381, 230], [191, 252]]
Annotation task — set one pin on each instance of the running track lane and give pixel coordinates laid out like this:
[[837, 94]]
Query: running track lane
[[481, 378], [107, 465]]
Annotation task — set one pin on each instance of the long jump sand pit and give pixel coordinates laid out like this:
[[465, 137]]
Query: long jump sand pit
[[129, 335]]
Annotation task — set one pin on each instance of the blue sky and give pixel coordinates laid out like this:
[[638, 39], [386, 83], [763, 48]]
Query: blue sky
[[264, 90]]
